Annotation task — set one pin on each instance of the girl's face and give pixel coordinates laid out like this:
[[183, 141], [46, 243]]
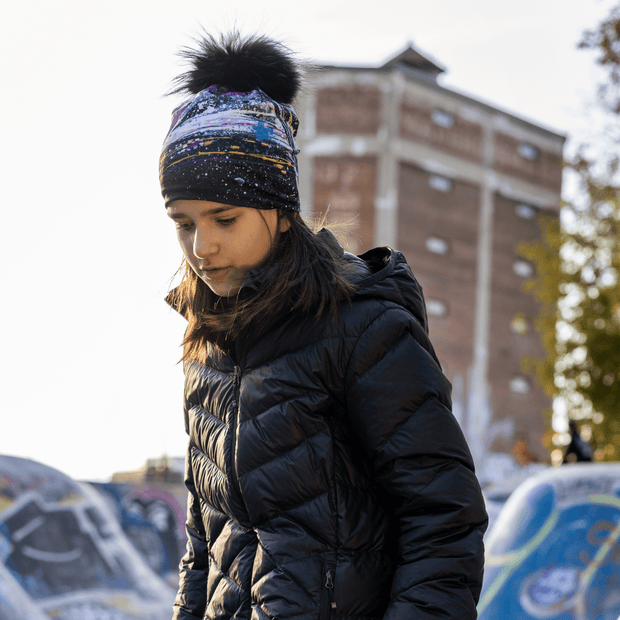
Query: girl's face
[[223, 242]]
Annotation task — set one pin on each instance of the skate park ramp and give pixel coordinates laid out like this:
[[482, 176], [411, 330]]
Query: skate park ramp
[[63, 554], [553, 551]]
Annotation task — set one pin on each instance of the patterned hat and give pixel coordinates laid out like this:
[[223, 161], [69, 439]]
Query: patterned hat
[[233, 148]]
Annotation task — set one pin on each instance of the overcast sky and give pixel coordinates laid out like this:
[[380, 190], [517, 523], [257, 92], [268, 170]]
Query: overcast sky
[[89, 350]]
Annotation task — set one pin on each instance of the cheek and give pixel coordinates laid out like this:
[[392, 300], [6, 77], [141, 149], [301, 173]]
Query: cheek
[[258, 249], [186, 243]]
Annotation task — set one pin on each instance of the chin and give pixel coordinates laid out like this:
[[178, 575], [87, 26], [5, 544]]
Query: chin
[[224, 290]]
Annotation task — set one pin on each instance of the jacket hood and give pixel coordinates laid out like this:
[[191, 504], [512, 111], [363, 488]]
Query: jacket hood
[[385, 274]]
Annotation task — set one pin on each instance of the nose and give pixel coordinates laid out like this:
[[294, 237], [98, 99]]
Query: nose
[[205, 243]]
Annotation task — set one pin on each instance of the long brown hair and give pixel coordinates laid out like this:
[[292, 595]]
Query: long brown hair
[[307, 276]]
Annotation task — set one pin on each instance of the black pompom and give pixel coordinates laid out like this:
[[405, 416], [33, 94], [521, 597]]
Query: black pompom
[[240, 64]]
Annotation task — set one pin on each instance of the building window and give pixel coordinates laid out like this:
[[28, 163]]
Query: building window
[[441, 184], [528, 151], [525, 211], [437, 245], [519, 385], [436, 308], [523, 268], [443, 119]]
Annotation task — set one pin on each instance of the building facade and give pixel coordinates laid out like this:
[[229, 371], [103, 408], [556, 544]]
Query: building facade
[[455, 185]]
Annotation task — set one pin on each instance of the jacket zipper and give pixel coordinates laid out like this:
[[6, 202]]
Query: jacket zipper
[[326, 603], [233, 473]]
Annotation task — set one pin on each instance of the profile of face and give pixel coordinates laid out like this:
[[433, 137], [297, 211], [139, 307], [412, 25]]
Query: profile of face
[[223, 242]]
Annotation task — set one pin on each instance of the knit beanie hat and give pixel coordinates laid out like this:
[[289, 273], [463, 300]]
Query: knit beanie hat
[[233, 142]]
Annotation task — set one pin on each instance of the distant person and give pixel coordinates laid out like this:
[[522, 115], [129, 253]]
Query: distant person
[[578, 450], [327, 475]]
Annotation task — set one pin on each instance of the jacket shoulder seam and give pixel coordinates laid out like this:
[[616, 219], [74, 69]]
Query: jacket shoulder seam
[[385, 310]]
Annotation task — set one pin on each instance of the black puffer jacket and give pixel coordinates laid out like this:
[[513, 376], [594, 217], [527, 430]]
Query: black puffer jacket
[[327, 475]]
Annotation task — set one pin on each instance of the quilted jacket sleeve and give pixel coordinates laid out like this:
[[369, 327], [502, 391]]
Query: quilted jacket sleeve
[[191, 597], [399, 404]]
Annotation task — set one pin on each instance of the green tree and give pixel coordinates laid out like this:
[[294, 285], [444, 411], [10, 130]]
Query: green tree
[[578, 288], [577, 273]]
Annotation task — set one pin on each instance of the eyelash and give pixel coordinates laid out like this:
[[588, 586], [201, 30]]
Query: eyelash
[[224, 222]]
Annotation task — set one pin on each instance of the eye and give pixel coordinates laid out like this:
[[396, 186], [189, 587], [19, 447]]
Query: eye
[[227, 221], [184, 225]]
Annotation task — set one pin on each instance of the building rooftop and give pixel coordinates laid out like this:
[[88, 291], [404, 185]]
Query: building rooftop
[[411, 60], [419, 67]]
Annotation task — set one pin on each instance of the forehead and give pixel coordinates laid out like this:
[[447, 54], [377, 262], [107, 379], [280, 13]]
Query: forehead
[[196, 208]]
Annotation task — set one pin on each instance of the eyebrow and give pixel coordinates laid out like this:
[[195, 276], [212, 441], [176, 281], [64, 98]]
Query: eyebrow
[[217, 210], [205, 213]]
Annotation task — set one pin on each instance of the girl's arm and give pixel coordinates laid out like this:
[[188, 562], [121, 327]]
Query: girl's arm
[[399, 404], [191, 597]]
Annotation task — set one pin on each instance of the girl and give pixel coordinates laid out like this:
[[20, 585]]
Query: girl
[[327, 476]]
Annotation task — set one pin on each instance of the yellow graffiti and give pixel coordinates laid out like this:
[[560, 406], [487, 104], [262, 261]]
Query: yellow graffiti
[[510, 561], [514, 558], [5, 502]]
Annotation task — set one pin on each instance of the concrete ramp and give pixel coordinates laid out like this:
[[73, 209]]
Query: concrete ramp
[[64, 555]]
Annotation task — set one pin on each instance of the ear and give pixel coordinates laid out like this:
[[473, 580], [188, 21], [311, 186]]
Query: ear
[[284, 222]]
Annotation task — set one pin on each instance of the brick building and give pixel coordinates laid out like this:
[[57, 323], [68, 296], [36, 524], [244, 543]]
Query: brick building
[[454, 184]]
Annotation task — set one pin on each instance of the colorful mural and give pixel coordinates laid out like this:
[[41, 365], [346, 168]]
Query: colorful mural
[[153, 520], [63, 555], [15, 604], [553, 552]]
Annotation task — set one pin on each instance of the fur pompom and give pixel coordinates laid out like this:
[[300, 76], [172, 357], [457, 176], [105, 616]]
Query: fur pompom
[[240, 65]]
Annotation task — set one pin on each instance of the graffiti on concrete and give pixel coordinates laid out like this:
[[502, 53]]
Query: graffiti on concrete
[[56, 549], [15, 604], [63, 555], [152, 519], [554, 550]]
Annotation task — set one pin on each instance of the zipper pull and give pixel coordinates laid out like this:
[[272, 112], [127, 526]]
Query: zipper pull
[[329, 583], [237, 376]]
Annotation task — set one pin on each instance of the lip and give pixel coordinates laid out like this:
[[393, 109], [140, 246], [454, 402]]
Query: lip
[[209, 272]]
